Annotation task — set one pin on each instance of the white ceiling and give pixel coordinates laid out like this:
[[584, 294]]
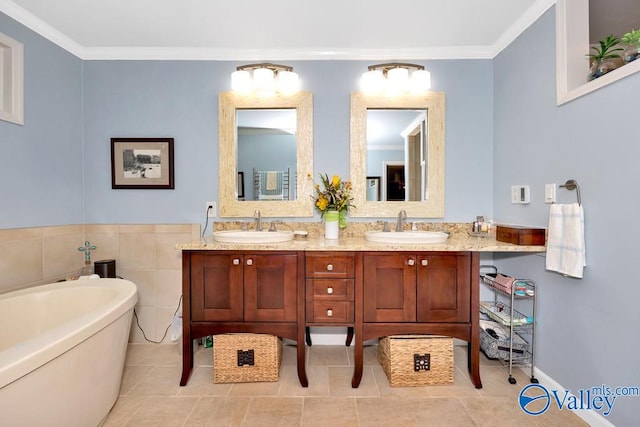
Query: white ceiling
[[278, 29]]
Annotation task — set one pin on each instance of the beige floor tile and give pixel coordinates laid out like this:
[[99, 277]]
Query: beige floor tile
[[327, 355], [160, 381], [203, 356], [201, 384], [163, 411], [124, 409], [132, 375], [370, 355], [439, 411], [340, 382], [151, 395], [379, 412], [317, 376], [274, 411], [493, 411], [219, 411], [329, 411], [255, 389]]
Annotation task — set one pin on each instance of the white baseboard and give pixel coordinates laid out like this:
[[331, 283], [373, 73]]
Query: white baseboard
[[589, 416]]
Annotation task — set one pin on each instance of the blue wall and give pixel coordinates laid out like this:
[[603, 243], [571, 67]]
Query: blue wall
[[179, 99], [586, 328], [41, 167]]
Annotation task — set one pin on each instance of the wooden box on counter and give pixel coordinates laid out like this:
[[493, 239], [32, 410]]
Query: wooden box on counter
[[519, 235]]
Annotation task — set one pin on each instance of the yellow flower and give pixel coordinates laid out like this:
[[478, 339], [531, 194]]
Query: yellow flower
[[334, 194], [322, 203]]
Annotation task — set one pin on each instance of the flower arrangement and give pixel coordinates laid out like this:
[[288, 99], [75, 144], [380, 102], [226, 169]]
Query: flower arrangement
[[336, 195]]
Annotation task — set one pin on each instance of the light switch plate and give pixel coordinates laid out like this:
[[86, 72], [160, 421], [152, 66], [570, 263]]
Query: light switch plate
[[550, 193]]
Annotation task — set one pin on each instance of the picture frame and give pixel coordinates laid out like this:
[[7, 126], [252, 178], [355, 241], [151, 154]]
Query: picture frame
[[142, 163], [240, 186]]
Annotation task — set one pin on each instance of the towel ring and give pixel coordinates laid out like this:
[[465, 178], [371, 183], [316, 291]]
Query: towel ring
[[572, 184]]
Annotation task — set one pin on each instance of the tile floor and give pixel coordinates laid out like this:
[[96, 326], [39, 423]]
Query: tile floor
[[151, 396]]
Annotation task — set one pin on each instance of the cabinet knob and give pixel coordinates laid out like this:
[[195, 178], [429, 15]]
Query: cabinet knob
[[330, 267], [424, 262], [411, 261], [236, 261], [249, 262], [329, 290], [329, 313]]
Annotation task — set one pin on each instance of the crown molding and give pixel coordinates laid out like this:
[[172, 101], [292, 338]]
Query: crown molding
[[39, 26], [223, 54]]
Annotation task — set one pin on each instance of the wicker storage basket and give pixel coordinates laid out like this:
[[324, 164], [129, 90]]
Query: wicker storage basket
[[416, 360], [245, 358]]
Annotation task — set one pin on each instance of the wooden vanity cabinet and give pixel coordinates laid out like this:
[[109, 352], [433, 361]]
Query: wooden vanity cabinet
[[419, 292], [242, 291], [422, 287], [243, 287]]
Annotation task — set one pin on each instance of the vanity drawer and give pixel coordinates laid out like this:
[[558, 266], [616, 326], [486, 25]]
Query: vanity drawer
[[330, 265], [330, 312], [330, 289]]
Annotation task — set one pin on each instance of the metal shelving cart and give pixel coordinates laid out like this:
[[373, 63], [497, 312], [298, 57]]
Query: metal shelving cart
[[511, 339]]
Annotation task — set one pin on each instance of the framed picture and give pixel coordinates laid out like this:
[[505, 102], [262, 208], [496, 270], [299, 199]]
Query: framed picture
[[373, 188], [142, 163], [240, 185]]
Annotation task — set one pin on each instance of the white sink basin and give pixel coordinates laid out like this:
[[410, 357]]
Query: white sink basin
[[237, 236], [406, 237]]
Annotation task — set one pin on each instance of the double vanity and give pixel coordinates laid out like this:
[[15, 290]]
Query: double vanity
[[373, 288]]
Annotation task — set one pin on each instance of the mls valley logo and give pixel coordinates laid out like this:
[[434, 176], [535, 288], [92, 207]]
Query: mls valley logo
[[535, 399]]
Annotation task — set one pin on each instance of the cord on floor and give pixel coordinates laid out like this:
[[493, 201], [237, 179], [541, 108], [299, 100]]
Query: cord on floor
[[135, 314]]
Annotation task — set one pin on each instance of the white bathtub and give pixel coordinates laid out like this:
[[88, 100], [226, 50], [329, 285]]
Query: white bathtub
[[62, 350]]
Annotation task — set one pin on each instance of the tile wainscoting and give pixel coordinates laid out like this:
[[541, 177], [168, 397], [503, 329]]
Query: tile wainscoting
[[144, 254]]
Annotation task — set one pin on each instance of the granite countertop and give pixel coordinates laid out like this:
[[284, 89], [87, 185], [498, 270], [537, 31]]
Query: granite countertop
[[353, 240]]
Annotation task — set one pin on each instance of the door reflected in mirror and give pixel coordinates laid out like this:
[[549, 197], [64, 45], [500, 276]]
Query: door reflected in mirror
[[400, 139], [266, 153], [397, 150]]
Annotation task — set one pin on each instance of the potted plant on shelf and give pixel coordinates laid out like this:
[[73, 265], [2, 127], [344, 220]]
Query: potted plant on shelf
[[632, 40], [604, 56]]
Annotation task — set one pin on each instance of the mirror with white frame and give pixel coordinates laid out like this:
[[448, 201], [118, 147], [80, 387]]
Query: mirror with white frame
[[245, 186], [394, 138]]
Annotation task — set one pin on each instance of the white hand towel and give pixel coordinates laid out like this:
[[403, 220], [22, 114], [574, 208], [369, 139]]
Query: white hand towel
[[272, 180], [566, 252]]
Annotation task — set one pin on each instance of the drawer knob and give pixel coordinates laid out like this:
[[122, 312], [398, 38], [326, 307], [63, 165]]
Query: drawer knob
[[330, 267], [329, 290], [329, 313], [424, 262], [411, 261], [249, 262], [236, 261]]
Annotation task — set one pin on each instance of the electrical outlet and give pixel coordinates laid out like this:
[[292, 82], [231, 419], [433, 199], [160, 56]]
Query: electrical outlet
[[211, 209]]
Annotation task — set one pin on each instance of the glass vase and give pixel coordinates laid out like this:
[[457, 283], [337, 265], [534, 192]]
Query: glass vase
[[331, 220], [342, 219]]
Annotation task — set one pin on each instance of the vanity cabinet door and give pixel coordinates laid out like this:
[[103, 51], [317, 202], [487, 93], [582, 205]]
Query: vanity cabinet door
[[216, 287], [389, 287], [270, 286], [443, 289]]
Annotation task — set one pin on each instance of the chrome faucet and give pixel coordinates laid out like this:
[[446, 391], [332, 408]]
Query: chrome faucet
[[258, 219], [402, 216]]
